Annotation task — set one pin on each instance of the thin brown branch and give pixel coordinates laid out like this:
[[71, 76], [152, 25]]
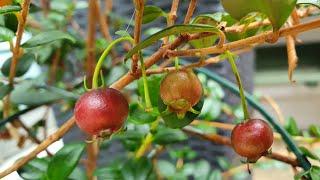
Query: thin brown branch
[[172, 16], [226, 141], [45, 4], [54, 66], [90, 44], [139, 8], [51, 139], [212, 60], [191, 8], [103, 21], [254, 40]]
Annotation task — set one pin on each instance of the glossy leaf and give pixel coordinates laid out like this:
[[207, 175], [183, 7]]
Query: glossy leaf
[[5, 34], [176, 29], [202, 170], [138, 115], [34, 169], [166, 168], [311, 2], [215, 175], [9, 9], [171, 119], [64, 161], [168, 136], [11, 22], [137, 169], [22, 67], [4, 90], [130, 139], [240, 8], [108, 173], [47, 37], [315, 173], [308, 153], [209, 19], [150, 13], [292, 127], [314, 130], [28, 93], [154, 82]]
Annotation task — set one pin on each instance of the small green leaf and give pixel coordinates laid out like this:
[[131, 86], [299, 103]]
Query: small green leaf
[[154, 88], [34, 169], [64, 161], [315, 173], [9, 9], [166, 168], [202, 170], [130, 139], [5, 34], [22, 67], [311, 2], [108, 173], [215, 175], [176, 29], [292, 127], [308, 153], [122, 33], [11, 22], [209, 19], [29, 93], [151, 13], [169, 136], [314, 130], [135, 169], [47, 37], [4, 89], [138, 115]]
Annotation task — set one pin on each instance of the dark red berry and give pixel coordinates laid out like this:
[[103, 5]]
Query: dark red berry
[[180, 90], [101, 110], [252, 139]]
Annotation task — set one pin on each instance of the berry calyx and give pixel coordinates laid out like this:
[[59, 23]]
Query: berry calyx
[[180, 90], [101, 111], [252, 139]]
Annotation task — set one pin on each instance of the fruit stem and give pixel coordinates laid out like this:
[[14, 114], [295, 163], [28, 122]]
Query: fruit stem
[[145, 84], [238, 78], [95, 81], [303, 161]]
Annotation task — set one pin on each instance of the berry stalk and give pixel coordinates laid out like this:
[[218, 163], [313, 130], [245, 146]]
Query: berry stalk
[[237, 75]]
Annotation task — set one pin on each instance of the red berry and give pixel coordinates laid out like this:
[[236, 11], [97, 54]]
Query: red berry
[[180, 90], [101, 110], [252, 138]]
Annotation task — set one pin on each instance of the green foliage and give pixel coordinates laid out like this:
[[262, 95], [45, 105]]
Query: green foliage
[[60, 166], [9, 9], [4, 89], [292, 127], [5, 34], [138, 115], [151, 13], [166, 136], [154, 88], [47, 37], [22, 67], [312, 2]]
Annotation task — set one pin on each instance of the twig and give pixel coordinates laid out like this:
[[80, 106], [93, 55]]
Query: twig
[[257, 39], [139, 8], [191, 8], [54, 66], [212, 60], [90, 62], [103, 22], [45, 4], [172, 16], [226, 141]]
